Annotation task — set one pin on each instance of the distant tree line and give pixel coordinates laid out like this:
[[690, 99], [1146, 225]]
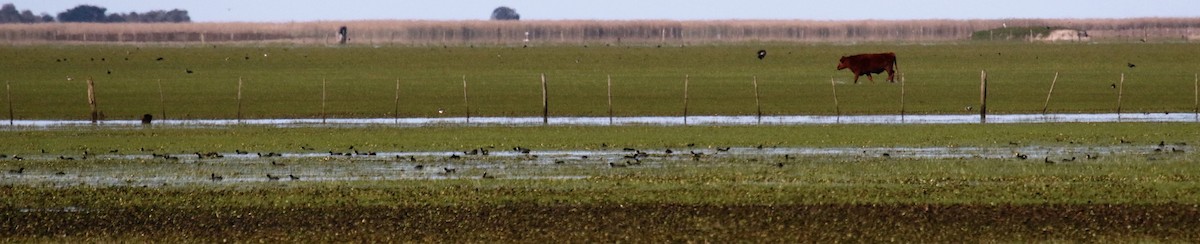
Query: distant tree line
[[9, 14], [92, 14]]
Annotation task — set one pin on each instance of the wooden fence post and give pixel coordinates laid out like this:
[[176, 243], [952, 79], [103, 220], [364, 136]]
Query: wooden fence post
[[757, 105], [323, 116], [1120, 93], [685, 99], [162, 100], [1195, 97], [396, 111], [545, 103], [982, 97], [837, 110], [8, 92], [610, 110], [1047, 104], [901, 97], [91, 92], [466, 102], [239, 101]]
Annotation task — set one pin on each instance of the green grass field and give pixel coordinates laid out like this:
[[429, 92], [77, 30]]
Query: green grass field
[[286, 82], [1134, 194], [75, 141]]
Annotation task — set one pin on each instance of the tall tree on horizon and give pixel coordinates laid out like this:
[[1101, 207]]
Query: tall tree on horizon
[[505, 13], [83, 13]]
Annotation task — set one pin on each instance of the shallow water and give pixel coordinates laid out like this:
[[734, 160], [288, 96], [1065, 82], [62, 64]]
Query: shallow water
[[652, 120], [505, 165]]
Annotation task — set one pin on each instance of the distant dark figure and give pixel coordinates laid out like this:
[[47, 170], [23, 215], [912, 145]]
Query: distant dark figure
[[762, 54], [343, 35], [147, 118], [189, 71], [1131, 65], [867, 64], [159, 59]]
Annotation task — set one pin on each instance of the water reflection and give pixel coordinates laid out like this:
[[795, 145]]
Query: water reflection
[[655, 120]]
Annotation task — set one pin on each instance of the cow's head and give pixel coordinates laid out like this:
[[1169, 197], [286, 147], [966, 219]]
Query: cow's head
[[843, 63]]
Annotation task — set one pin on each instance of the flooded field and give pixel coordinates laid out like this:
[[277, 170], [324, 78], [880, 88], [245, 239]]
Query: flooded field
[[224, 168]]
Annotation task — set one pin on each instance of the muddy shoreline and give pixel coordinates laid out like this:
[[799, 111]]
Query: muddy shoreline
[[522, 222]]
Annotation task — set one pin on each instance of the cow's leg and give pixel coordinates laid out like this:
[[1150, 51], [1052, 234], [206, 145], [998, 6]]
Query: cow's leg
[[872, 79], [856, 79], [891, 75]]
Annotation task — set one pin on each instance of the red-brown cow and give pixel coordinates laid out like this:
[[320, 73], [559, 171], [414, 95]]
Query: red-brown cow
[[867, 64]]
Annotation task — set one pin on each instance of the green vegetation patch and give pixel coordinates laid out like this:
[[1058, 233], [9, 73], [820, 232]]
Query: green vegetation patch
[[139, 140], [1014, 33]]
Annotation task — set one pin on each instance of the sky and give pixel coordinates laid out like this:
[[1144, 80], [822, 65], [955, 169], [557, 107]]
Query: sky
[[339, 10]]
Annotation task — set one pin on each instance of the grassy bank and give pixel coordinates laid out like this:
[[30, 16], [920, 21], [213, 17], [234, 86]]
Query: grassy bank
[[1115, 198], [269, 139]]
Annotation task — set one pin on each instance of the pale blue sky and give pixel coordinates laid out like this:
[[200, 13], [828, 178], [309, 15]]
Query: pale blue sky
[[311, 10]]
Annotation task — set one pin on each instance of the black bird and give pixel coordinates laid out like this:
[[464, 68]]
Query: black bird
[[1022, 156], [1048, 161], [762, 54], [110, 71], [159, 59], [293, 177], [1131, 65], [779, 165], [1092, 157], [60, 173], [419, 167], [215, 177], [887, 155], [1114, 85], [723, 149], [455, 156], [189, 71], [668, 151], [17, 171], [449, 170], [240, 152], [1072, 159], [272, 177]]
